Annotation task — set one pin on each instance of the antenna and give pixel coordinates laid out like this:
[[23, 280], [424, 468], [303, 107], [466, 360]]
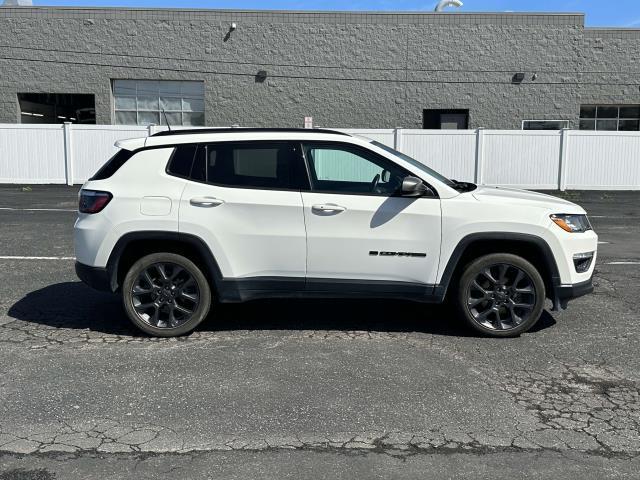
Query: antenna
[[165, 119]]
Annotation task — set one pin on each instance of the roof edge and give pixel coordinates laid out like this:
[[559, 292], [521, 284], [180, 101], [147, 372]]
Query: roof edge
[[300, 16], [319, 12]]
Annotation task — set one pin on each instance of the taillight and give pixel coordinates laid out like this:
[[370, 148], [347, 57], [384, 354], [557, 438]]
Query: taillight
[[93, 201]]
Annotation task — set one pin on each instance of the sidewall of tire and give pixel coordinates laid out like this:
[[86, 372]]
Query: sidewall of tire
[[203, 287], [469, 274]]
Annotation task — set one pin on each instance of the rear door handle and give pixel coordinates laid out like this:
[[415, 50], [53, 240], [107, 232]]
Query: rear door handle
[[206, 202], [328, 207]]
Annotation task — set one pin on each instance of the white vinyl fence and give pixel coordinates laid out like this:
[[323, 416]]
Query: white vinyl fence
[[564, 159]]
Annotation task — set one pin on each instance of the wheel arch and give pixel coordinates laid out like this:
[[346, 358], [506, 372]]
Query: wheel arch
[[134, 245], [530, 247]]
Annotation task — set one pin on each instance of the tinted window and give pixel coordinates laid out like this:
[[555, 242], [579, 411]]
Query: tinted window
[[182, 160], [112, 165], [345, 169], [250, 164]]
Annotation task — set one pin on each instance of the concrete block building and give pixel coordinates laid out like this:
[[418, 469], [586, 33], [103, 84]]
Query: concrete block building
[[342, 69]]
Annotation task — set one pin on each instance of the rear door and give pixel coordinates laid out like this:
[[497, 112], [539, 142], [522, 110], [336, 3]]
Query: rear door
[[241, 198], [359, 230]]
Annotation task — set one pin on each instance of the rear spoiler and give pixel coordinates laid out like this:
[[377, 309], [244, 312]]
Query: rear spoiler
[[131, 143]]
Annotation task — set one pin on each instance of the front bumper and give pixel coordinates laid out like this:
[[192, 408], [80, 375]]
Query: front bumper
[[95, 277], [563, 293]]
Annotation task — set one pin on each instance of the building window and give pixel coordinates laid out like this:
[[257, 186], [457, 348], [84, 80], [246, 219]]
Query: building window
[[449, 119], [610, 117], [544, 124], [57, 108], [140, 102]]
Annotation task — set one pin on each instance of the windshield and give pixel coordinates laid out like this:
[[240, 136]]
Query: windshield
[[416, 164]]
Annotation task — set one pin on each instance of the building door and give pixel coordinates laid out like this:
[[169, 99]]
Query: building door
[[452, 119], [57, 108]]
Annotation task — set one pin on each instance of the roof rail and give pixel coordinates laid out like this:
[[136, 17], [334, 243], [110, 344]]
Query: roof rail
[[193, 131]]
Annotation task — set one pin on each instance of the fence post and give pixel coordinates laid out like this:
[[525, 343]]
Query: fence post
[[562, 166], [479, 167], [151, 129], [68, 152], [397, 139]]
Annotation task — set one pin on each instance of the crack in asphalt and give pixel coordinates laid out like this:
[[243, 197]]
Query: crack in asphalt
[[38, 336], [580, 406], [555, 404]]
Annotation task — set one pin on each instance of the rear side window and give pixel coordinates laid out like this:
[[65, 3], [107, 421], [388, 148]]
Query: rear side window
[[113, 164], [249, 164], [182, 160]]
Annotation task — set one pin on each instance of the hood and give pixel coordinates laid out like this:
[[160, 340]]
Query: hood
[[515, 196]]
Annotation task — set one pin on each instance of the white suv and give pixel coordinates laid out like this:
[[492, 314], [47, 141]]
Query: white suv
[[180, 219]]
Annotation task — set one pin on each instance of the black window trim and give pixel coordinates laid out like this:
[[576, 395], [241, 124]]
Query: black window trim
[[368, 152]]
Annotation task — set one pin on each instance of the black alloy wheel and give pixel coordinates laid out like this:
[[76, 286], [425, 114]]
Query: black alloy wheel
[[166, 294], [501, 295]]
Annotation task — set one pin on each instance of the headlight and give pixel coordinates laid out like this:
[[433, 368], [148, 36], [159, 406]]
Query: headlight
[[571, 223]]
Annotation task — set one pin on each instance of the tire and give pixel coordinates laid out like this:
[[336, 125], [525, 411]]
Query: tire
[[500, 295], [166, 295]]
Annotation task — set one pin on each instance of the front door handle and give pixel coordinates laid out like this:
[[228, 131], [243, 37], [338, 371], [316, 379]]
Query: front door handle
[[328, 207], [206, 202]]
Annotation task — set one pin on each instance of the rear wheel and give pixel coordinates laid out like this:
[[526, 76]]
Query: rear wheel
[[166, 295], [501, 295]]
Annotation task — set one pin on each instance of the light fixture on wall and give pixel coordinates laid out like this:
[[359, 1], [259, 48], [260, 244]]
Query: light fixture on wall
[[261, 76], [232, 28], [517, 77]]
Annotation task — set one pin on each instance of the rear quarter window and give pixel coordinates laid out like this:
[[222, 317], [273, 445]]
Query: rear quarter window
[[113, 164], [182, 160]]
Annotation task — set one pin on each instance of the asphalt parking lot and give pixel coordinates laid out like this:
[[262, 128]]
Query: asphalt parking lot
[[293, 389]]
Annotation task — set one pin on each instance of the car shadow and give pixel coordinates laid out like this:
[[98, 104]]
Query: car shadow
[[73, 305]]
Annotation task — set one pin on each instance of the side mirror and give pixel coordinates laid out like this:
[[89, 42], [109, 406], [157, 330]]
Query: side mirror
[[413, 187]]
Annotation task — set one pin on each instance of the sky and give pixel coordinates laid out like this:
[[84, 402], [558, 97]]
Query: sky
[[608, 13]]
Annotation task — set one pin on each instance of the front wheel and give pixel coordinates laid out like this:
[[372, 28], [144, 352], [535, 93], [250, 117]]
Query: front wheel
[[501, 295], [166, 295]]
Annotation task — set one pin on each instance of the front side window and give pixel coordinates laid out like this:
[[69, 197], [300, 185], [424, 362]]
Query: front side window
[[141, 102], [251, 165], [351, 170], [610, 117]]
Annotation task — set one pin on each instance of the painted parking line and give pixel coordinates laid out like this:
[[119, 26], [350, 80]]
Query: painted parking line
[[623, 263], [18, 257], [38, 209]]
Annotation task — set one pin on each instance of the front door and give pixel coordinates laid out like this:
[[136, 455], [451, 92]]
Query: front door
[[358, 228]]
